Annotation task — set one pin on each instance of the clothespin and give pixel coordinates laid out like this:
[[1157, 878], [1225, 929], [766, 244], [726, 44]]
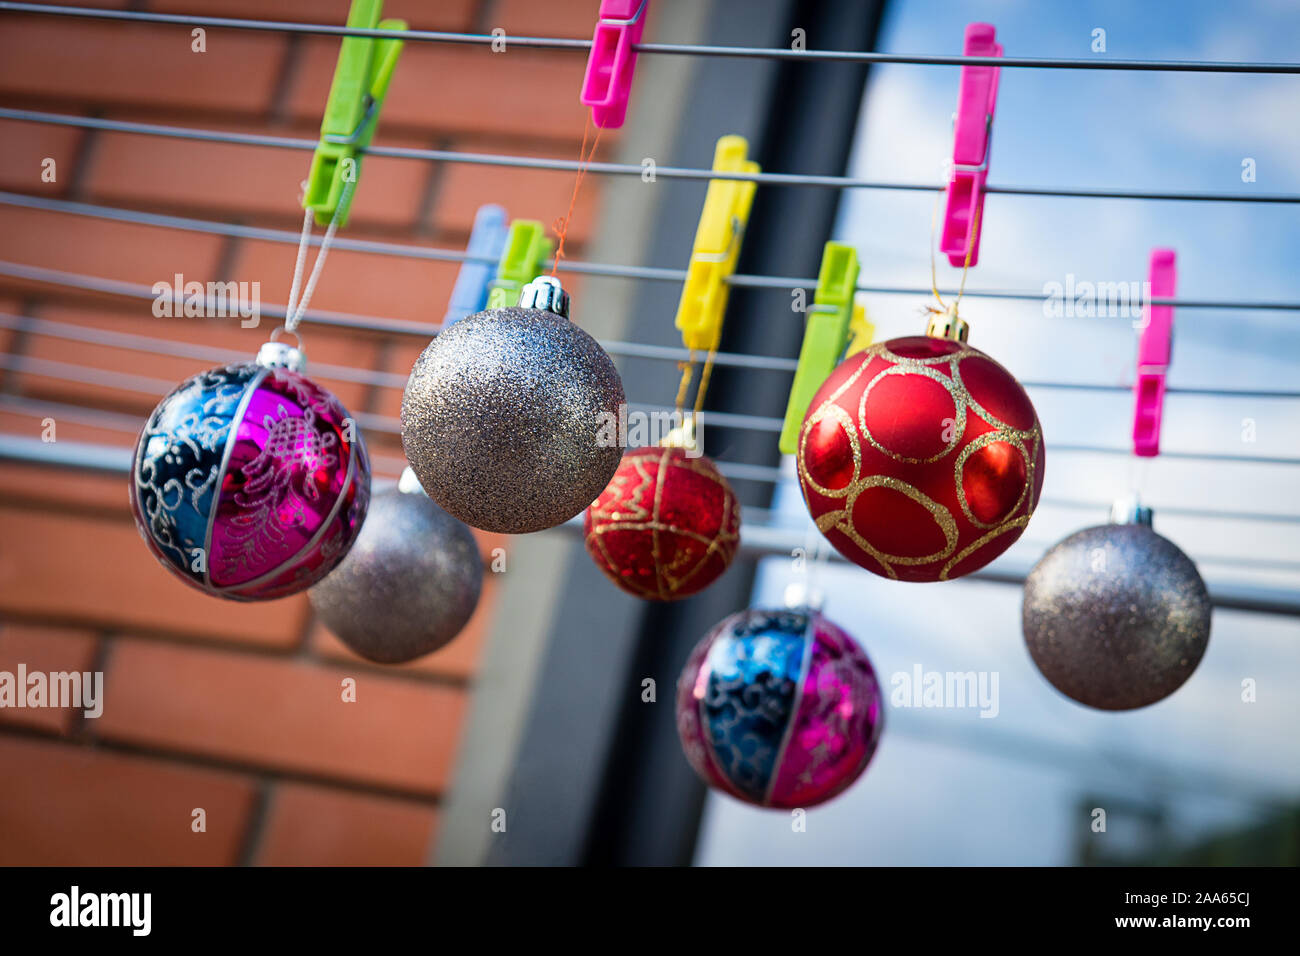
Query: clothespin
[[717, 246], [1155, 349], [824, 337], [972, 135], [487, 240], [861, 330], [361, 79], [526, 249], [612, 61]]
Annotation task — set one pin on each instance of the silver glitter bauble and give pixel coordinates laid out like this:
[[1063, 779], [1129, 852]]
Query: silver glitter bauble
[[506, 418], [409, 584], [1116, 616]]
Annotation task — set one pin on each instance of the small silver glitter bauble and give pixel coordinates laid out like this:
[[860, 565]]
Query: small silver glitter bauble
[[1116, 616], [507, 419], [409, 584]]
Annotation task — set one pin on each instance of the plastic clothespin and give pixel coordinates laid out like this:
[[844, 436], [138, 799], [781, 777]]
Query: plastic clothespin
[[972, 135], [1155, 349], [824, 337], [487, 240], [861, 330], [361, 79], [612, 61], [717, 246], [526, 249]]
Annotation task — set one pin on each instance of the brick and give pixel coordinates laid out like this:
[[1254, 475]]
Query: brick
[[225, 181], [47, 650], [9, 307], [321, 826], [63, 489], [31, 424], [540, 194], [24, 147], [265, 712], [557, 18], [325, 345], [44, 58], [64, 805], [419, 14], [96, 571], [459, 659], [462, 89], [98, 247], [362, 283]]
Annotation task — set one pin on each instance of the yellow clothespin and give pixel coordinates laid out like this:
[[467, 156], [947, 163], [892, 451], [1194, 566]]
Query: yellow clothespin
[[717, 246], [861, 330]]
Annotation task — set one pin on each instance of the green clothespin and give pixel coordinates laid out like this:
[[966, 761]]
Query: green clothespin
[[361, 81], [824, 337], [527, 248]]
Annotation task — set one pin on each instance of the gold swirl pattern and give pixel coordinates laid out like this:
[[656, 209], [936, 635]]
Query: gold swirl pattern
[[964, 534]]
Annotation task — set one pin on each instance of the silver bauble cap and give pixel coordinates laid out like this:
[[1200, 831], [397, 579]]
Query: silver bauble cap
[[545, 293], [275, 354], [1129, 510]]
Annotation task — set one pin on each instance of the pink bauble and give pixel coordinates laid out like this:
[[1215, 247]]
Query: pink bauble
[[779, 708], [248, 482]]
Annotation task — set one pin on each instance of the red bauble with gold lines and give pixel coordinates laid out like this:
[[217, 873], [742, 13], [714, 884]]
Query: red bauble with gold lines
[[921, 459], [666, 526]]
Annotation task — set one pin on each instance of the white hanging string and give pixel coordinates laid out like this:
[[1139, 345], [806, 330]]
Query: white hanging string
[[295, 308]]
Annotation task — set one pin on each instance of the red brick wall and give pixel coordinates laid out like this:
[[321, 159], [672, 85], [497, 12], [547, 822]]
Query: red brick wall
[[236, 709]]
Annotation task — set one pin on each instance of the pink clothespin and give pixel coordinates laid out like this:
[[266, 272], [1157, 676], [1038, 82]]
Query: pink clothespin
[[972, 132], [612, 61], [1154, 351]]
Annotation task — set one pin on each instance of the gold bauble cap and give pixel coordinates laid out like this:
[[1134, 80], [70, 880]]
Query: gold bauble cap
[[948, 325]]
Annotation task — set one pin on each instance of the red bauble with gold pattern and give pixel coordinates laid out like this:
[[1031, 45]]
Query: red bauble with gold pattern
[[921, 458], [666, 526]]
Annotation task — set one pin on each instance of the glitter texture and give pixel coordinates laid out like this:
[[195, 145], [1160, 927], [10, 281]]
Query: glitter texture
[[666, 526], [502, 420], [409, 584], [247, 483], [921, 459], [1116, 617], [779, 708]]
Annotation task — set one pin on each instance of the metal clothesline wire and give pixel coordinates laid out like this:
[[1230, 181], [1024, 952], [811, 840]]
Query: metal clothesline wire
[[648, 273], [130, 424], [65, 371], [144, 343], [613, 169], [674, 49], [758, 536]]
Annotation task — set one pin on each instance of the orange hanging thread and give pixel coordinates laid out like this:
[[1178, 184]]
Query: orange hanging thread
[[585, 156]]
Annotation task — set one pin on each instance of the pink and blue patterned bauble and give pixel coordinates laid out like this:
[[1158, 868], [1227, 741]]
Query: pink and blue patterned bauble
[[779, 708], [249, 481]]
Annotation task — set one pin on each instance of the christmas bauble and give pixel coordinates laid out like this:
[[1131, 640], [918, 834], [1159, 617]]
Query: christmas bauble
[[1116, 616], [921, 459], [409, 584], [250, 482], [666, 526], [779, 708], [506, 419]]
